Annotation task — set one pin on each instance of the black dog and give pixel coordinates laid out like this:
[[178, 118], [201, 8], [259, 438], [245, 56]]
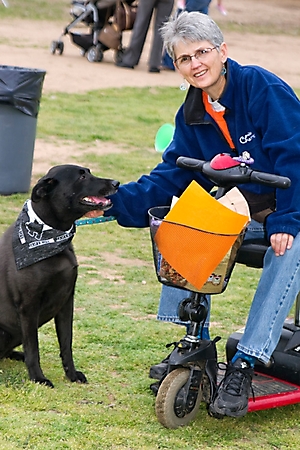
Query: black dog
[[38, 267]]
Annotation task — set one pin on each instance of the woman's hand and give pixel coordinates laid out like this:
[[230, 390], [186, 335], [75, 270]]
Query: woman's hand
[[280, 242], [93, 214]]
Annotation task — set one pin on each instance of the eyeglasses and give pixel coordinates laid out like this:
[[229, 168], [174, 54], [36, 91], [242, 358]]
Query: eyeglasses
[[185, 60]]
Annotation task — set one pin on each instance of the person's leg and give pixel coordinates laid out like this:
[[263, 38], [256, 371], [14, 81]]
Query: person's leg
[[168, 311], [197, 5], [167, 62], [255, 230], [276, 292], [163, 10], [133, 53], [170, 300], [221, 8]]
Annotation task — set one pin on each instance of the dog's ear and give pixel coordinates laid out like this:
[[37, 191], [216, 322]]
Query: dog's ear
[[43, 188]]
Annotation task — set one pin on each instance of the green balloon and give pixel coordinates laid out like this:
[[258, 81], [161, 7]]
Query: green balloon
[[164, 137]]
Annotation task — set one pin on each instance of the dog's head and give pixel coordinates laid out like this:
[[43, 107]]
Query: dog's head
[[68, 192]]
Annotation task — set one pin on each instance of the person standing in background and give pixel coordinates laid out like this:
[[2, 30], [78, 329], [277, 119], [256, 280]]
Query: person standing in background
[[162, 10], [185, 5]]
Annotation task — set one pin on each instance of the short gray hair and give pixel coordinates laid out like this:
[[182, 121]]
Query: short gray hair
[[190, 27]]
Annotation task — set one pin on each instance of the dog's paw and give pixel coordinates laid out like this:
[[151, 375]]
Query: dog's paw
[[44, 381], [80, 377]]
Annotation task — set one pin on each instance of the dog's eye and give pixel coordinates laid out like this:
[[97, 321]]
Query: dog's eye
[[82, 175]]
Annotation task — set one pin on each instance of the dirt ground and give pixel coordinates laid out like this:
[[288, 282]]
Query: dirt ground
[[26, 44]]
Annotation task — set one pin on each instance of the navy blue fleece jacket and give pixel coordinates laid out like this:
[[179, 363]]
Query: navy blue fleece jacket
[[263, 118]]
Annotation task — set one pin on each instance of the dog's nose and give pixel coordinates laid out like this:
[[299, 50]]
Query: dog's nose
[[115, 184]]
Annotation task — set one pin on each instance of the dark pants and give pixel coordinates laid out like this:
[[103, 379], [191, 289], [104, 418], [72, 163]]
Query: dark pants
[[162, 10]]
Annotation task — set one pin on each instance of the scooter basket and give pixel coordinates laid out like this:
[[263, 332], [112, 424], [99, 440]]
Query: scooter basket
[[164, 272], [167, 275]]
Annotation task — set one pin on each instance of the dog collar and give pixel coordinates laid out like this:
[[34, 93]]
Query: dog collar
[[34, 240]]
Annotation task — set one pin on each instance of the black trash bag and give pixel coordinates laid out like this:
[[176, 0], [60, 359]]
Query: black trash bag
[[21, 88]]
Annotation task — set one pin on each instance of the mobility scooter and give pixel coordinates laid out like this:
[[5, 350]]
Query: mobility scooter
[[193, 373]]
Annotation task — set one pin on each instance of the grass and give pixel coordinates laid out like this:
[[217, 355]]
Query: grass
[[55, 10], [95, 116]]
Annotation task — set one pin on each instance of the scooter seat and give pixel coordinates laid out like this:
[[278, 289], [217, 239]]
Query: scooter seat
[[252, 252]]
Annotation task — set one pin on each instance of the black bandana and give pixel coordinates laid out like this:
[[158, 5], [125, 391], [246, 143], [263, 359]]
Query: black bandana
[[34, 241]]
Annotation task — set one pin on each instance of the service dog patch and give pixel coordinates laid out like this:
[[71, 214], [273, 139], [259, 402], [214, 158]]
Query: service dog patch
[[33, 240]]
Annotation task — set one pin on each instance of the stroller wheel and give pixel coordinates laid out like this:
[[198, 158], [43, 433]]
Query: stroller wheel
[[94, 54], [53, 47], [57, 45], [60, 47]]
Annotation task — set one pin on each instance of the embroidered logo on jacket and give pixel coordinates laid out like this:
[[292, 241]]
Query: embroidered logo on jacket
[[247, 137]]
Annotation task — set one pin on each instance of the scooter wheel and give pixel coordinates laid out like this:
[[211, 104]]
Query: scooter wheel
[[170, 404]]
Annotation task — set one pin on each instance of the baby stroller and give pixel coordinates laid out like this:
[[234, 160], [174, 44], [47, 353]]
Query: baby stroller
[[105, 20]]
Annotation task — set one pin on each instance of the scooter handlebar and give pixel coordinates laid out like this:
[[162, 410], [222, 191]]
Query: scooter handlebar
[[270, 179], [238, 173], [190, 163]]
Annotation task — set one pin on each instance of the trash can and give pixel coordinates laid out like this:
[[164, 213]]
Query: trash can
[[20, 93]]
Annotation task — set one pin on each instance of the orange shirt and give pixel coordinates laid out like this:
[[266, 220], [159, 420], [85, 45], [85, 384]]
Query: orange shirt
[[218, 117]]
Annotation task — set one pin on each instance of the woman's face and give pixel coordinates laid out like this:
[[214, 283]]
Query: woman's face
[[203, 70]]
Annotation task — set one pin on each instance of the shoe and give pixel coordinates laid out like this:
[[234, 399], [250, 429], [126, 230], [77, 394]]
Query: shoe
[[154, 70], [233, 392], [124, 65], [158, 371]]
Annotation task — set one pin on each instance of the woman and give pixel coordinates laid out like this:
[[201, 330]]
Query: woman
[[233, 109]]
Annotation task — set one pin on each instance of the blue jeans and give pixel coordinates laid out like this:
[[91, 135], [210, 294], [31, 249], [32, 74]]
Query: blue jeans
[[276, 292], [197, 5]]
